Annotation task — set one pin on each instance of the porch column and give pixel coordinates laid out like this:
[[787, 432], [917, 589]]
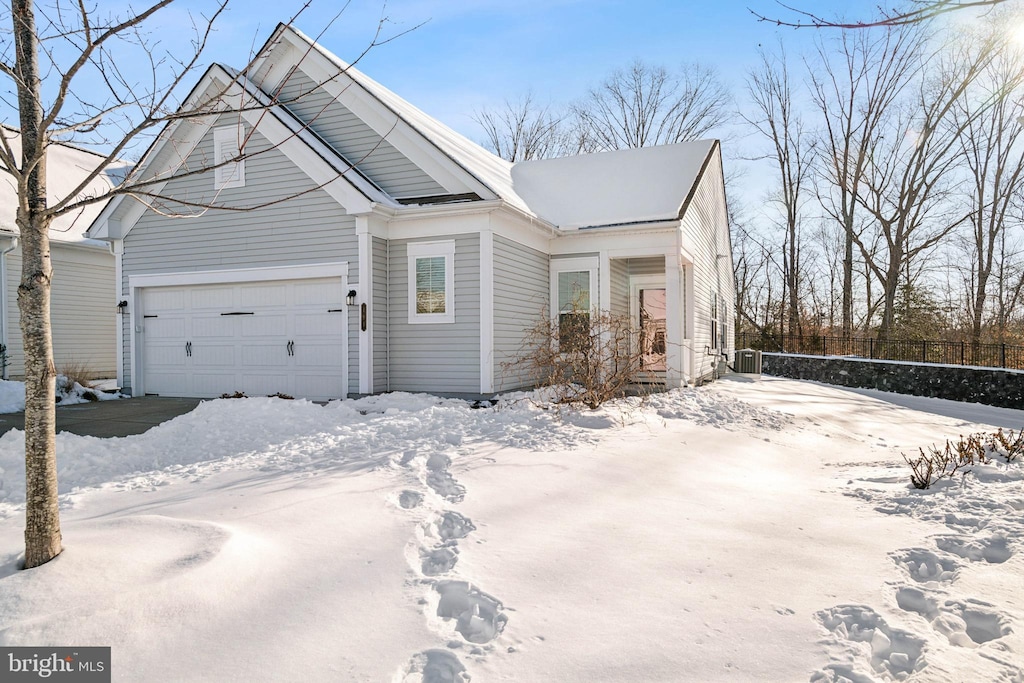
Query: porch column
[[675, 375]]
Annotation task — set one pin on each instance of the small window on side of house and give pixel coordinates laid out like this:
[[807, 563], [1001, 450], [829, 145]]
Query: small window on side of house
[[227, 143], [431, 282]]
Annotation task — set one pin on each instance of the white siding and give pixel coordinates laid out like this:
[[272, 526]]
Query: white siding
[[311, 228], [619, 274], [357, 142], [82, 311], [706, 223], [521, 281], [436, 357]]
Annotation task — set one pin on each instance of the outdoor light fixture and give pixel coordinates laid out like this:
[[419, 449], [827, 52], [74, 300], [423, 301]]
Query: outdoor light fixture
[[351, 298], [121, 306]]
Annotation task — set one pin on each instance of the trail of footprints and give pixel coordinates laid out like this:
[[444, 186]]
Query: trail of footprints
[[477, 617], [966, 623]]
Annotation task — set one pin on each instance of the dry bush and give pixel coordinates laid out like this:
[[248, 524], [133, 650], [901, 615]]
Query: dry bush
[[587, 359], [957, 457], [76, 372]]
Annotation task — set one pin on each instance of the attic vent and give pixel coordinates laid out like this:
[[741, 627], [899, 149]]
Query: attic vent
[[227, 141], [440, 199]]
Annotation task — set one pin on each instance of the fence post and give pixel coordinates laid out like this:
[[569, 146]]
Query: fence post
[[1002, 355], [871, 348], [924, 352], [962, 346], [824, 351]]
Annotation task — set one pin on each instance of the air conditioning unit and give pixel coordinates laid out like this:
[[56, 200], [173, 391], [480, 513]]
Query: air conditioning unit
[[748, 362]]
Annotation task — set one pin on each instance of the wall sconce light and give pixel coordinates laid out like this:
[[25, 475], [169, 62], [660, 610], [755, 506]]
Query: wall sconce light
[[351, 298], [122, 306]]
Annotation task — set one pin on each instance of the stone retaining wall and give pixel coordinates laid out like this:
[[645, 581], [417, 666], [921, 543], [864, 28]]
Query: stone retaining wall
[[996, 387]]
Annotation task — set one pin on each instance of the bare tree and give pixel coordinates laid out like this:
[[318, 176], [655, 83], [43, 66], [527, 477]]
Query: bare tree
[[776, 118], [522, 130], [992, 149], [921, 11], [907, 184], [856, 81], [89, 97], [644, 105]]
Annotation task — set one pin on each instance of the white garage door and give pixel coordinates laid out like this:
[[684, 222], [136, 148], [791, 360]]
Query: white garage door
[[259, 338]]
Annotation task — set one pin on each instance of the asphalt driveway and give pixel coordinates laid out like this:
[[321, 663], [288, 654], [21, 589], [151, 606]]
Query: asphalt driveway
[[110, 418]]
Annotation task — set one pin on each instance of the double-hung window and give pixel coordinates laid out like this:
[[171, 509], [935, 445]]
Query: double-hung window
[[573, 300], [432, 282]]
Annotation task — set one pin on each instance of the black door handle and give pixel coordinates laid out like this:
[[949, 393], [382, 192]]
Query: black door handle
[[188, 349]]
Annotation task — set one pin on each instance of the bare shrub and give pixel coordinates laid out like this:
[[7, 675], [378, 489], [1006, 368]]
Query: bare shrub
[[1008, 444], [584, 357], [946, 462], [72, 373]]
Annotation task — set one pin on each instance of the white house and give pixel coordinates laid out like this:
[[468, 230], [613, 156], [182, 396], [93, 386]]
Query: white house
[[384, 251], [82, 304]]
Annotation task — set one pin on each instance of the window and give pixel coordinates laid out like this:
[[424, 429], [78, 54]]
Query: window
[[432, 282], [573, 286], [714, 320], [227, 141]]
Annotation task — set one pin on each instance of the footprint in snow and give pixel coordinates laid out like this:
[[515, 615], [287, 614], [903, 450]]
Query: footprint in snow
[[410, 499], [440, 479], [994, 549], [894, 652], [925, 565], [965, 623], [435, 666], [478, 616]]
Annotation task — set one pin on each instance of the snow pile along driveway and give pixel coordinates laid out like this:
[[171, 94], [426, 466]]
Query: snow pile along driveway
[[744, 531]]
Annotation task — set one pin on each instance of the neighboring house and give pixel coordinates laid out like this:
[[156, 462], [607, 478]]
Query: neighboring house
[[82, 305], [412, 259]]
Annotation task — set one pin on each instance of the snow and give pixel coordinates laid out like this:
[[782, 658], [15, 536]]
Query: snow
[[66, 168], [12, 394], [612, 188], [747, 530]]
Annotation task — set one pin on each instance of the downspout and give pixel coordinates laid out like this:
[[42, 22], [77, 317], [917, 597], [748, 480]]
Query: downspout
[[387, 315], [3, 298]]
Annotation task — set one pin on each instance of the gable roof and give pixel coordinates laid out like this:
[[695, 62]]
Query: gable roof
[[66, 167], [625, 186]]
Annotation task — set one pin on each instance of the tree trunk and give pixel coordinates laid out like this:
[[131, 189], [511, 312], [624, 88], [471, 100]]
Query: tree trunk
[[42, 517], [848, 279]]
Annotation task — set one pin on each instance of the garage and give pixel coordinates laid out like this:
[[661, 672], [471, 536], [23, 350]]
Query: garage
[[259, 337]]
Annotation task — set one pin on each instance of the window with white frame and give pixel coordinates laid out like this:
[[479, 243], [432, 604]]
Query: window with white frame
[[573, 299], [714, 320], [227, 145], [432, 282]]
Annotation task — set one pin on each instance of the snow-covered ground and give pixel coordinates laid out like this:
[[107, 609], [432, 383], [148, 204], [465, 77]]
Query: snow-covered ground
[[743, 531], [12, 393]]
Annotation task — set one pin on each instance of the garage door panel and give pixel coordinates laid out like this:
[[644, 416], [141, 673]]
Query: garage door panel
[[318, 292], [320, 324], [169, 299], [208, 385], [264, 325], [211, 327], [264, 355], [263, 295], [214, 355], [166, 328], [246, 352], [212, 297]]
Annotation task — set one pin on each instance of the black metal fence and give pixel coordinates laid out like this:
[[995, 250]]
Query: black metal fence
[[926, 351]]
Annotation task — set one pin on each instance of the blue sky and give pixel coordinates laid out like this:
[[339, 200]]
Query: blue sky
[[474, 53]]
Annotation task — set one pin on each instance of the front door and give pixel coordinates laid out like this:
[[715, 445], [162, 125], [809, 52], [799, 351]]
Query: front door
[[648, 312]]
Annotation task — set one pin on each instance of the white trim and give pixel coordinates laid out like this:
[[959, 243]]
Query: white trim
[[228, 142], [214, 277], [4, 312], [365, 287], [486, 312], [590, 264], [117, 248], [415, 250], [675, 356], [137, 284]]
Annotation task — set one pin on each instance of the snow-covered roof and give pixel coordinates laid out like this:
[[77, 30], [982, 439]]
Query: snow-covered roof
[[66, 167], [612, 188], [488, 168]]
